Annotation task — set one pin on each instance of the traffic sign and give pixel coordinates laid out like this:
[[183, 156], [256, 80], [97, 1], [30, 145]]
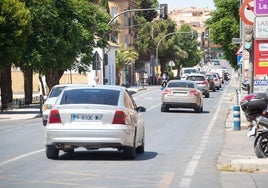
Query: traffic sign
[[239, 59], [261, 27], [246, 12], [261, 7]]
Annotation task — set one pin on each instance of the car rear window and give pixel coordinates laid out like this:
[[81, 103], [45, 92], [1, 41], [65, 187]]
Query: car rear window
[[195, 78], [180, 84], [56, 91], [90, 96]]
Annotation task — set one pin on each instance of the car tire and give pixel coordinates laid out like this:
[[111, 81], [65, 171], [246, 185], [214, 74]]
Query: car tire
[[207, 95], [129, 153], [213, 88], [44, 122], [140, 149], [52, 152], [164, 108], [199, 109]]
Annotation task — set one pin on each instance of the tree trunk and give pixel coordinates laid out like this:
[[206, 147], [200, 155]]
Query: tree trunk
[[6, 87], [53, 78], [42, 84], [28, 84]]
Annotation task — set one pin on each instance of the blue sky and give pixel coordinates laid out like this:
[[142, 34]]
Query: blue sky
[[188, 3]]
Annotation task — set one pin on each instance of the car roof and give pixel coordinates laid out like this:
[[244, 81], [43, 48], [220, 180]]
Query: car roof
[[194, 74], [113, 87]]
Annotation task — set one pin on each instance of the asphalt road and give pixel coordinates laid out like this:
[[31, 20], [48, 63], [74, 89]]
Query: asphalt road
[[181, 150]]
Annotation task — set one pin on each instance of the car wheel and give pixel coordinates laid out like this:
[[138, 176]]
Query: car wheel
[[44, 122], [213, 88], [199, 109], [52, 152], [140, 149], [207, 95], [129, 153], [164, 108], [261, 147]]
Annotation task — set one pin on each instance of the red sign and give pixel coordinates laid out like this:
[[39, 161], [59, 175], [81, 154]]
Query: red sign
[[261, 58], [246, 12]]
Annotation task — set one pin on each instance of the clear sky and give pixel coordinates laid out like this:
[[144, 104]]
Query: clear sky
[[188, 3]]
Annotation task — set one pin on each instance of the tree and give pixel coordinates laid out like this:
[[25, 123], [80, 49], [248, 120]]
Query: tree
[[15, 26], [190, 55], [223, 26], [123, 57], [64, 36]]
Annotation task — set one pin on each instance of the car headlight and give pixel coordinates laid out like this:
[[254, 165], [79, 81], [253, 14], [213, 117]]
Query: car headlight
[[47, 106]]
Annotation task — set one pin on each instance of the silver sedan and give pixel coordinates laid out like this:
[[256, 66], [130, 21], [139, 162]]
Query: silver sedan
[[181, 94], [95, 117]]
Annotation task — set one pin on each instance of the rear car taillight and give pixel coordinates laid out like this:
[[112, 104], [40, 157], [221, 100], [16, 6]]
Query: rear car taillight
[[166, 92], [54, 116], [193, 92], [119, 117]]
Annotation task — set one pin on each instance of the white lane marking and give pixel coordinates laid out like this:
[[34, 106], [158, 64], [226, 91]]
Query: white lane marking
[[193, 163], [21, 156]]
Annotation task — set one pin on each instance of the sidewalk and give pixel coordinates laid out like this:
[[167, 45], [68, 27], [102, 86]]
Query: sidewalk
[[238, 151]]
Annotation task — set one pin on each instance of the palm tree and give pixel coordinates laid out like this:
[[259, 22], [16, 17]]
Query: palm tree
[[123, 57]]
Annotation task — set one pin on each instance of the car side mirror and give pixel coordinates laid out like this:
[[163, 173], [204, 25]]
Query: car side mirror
[[141, 109]]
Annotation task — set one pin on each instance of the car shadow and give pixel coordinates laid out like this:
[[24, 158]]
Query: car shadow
[[104, 155]]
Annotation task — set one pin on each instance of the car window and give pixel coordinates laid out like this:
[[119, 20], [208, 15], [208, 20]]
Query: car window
[[129, 102], [195, 78], [180, 84], [90, 96], [56, 91]]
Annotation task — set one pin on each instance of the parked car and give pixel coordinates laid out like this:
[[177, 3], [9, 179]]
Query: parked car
[[50, 101], [217, 79], [201, 82], [211, 81], [181, 94], [93, 117]]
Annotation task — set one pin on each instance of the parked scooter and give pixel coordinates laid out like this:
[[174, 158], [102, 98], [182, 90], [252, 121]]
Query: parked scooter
[[253, 106], [261, 140]]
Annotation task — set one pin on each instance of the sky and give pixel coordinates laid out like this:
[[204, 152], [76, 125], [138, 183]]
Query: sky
[[188, 3]]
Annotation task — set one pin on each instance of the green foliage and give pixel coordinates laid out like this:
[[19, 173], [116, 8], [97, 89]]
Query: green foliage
[[15, 27], [144, 4], [64, 31], [224, 25]]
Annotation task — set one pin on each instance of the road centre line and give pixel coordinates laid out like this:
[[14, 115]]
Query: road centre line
[[193, 163], [21, 156]]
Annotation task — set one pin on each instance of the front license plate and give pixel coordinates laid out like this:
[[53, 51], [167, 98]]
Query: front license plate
[[86, 117]]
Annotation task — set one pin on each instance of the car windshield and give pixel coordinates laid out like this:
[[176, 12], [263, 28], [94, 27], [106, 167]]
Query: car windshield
[[190, 71], [90, 96], [195, 78], [55, 92], [181, 84]]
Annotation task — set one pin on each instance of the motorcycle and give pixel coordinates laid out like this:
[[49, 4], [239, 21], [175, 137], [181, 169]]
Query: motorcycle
[[165, 79], [261, 140], [255, 106]]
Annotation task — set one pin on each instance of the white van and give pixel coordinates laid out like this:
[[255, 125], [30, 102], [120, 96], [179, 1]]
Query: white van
[[188, 70]]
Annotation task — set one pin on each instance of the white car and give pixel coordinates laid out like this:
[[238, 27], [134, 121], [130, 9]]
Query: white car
[[182, 94], [50, 101], [93, 117]]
